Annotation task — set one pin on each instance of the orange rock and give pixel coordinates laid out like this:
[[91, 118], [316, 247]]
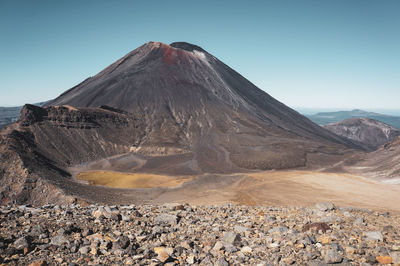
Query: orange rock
[[324, 239], [384, 259], [38, 263], [26, 251]]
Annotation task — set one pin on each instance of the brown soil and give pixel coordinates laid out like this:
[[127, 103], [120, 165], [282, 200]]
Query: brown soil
[[304, 188], [290, 188]]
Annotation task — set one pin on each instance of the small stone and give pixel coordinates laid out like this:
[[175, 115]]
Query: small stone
[[87, 232], [179, 208], [190, 259], [395, 257], [94, 251], [370, 259], [324, 239], [38, 263], [324, 206], [240, 229], [101, 212], [166, 219], [231, 238], [278, 230], [59, 240], [388, 229], [230, 249], [309, 256], [374, 236], [350, 250], [218, 246], [221, 262], [246, 250], [332, 256], [317, 227], [163, 253], [74, 249], [129, 261], [21, 243], [118, 252], [26, 251], [124, 242], [117, 233], [384, 259], [359, 221], [347, 214], [288, 261], [274, 245], [84, 250]]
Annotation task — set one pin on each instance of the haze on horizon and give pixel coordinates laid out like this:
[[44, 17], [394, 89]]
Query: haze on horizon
[[319, 54]]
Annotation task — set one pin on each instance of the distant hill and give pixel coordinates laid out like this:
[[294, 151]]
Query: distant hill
[[325, 118], [369, 132], [9, 115]]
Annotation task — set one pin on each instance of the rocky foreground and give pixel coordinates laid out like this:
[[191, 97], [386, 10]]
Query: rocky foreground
[[205, 235]]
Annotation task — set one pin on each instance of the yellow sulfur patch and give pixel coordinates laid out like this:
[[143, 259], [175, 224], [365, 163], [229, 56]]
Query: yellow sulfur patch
[[128, 180]]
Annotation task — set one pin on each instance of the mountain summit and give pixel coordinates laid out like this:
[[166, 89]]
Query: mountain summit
[[190, 102], [165, 109]]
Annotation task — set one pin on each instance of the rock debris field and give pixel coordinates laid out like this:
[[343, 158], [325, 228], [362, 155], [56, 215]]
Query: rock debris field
[[197, 235]]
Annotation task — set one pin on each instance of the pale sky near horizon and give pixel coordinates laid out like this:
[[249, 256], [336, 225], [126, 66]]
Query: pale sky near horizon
[[320, 53]]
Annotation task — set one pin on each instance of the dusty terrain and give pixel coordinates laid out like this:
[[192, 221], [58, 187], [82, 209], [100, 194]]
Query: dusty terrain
[[382, 164], [288, 188]]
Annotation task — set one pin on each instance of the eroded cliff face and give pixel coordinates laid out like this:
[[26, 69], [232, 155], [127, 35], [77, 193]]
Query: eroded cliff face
[[37, 150], [71, 136]]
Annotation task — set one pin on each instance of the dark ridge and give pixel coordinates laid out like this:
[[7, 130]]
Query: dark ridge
[[31, 114], [187, 46], [112, 109]]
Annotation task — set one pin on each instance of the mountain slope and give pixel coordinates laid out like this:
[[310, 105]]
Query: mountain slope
[[369, 132], [181, 83], [334, 117], [171, 109]]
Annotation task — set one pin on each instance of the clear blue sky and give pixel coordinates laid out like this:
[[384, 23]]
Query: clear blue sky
[[325, 54]]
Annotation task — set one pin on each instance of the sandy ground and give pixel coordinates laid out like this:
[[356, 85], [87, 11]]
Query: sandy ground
[[304, 188], [293, 188]]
